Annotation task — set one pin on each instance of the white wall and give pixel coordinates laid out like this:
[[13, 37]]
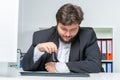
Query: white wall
[[41, 13]]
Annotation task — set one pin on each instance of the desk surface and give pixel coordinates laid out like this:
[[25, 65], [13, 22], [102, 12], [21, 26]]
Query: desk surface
[[14, 74]]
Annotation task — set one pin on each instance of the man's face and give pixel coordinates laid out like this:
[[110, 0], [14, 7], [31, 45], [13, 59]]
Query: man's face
[[67, 33]]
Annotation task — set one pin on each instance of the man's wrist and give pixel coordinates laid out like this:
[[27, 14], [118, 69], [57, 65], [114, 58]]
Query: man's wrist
[[37, 54]]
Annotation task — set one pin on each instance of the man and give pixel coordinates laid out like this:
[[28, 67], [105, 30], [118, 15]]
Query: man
[[65, 47]]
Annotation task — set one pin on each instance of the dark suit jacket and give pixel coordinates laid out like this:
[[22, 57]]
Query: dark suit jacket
[[84, 54]]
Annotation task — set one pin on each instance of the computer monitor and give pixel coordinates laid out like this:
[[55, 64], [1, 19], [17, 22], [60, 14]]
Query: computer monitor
[[8, 33], [8, 30]]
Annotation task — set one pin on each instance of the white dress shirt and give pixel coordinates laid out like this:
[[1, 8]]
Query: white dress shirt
[[62, 56]]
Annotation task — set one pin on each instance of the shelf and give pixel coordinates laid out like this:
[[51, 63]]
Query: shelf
[[107, 60], [105, 38], [104, 33]]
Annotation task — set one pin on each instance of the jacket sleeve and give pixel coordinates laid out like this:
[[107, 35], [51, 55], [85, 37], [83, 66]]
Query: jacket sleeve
[[92, 59], [38, 37], [27, 61]]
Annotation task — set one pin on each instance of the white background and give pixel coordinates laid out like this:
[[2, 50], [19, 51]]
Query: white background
[[41, 13], [8, 30]]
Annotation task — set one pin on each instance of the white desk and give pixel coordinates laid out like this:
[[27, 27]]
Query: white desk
[[14, 75]]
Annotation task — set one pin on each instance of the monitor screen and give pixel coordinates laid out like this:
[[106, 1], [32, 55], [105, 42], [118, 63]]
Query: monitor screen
[[8, 30]]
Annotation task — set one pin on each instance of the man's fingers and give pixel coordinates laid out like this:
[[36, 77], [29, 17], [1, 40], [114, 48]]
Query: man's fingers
[[52, 47], [48, 64], [48, 47]]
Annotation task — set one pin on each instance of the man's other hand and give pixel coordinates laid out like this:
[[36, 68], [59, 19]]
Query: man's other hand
[[50, 67]]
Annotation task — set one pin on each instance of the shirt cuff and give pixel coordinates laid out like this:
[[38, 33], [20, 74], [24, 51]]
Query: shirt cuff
[[61, 68], [37, 54]]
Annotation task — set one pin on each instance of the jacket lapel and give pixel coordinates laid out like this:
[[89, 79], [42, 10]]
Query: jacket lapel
[[75, 49]]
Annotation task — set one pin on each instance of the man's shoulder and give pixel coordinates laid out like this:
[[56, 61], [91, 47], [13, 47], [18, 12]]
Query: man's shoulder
[[86, 30], [43, 35]]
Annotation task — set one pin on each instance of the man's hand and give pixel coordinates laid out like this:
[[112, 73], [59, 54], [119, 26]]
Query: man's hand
[[48, 47], [50, 66]]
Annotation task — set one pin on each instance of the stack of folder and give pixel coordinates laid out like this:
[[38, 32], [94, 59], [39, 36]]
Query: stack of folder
[[106, 52]]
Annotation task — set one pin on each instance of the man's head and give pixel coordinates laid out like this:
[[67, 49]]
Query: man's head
[[68, 20]]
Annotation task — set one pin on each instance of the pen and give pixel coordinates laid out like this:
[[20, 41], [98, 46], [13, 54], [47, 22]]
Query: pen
[[53, 57]]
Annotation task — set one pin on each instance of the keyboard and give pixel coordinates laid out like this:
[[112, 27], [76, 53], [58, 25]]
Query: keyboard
[[42, 73]]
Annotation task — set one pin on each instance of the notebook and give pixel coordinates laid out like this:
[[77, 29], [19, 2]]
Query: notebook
[[43, 73]]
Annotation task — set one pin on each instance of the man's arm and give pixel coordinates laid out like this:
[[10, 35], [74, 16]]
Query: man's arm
[[92, 61], [27, 60], [37, 54], [57, 67], [28, 63]]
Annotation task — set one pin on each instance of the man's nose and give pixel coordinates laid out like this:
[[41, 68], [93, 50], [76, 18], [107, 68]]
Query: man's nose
[[68, 33]]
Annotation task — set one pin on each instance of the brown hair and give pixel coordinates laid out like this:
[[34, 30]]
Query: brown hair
[[69, 14]]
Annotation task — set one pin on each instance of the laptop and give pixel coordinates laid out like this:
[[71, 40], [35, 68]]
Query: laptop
[[43, 73]]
